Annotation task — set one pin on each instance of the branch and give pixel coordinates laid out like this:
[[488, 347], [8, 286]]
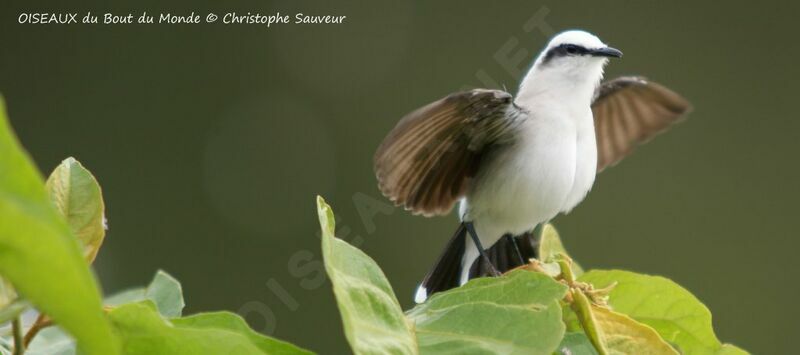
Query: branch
[[16, 328], [42, 321]]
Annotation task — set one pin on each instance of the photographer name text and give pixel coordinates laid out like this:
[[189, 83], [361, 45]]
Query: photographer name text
[[230, 18]]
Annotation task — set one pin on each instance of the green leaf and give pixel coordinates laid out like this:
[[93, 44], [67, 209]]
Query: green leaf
[[373, 320], [10, 306], [576, 344], [730, 349], [518, 313], [54, 341], [7, 294], [672, 311], [623, 335], [132, 295], [40, 256], [6, 345], [77, 196], [144, 331], [585, 314], [570, 318], [235, 323], [164, 290], [12, 310], [550, 245]]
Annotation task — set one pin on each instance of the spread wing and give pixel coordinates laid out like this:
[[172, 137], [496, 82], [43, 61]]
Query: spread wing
[[427, 161], [629, 111]]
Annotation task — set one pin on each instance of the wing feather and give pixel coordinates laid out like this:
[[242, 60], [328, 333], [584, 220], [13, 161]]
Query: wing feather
[[629, 111], [428, 160]]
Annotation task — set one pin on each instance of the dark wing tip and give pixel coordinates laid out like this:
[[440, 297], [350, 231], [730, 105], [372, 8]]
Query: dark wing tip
[[424, 164], [659, 109], [417, 209], [676, 103]]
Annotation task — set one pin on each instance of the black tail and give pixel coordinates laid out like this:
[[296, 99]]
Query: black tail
[[506, 254]]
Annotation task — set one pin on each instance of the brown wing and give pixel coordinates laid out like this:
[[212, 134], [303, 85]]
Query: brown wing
[[427, 161], [628, 111]]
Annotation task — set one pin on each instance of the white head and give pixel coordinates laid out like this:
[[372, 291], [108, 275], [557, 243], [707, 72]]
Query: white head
[[572, 60], [576, 53]]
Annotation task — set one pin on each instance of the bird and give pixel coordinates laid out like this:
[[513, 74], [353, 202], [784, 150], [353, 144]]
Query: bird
[[514, 162]]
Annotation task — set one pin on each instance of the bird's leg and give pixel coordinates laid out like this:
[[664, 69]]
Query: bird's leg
[[474, 236], [513, 242]]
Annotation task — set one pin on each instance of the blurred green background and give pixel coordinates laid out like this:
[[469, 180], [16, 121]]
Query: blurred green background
[[211, 141]]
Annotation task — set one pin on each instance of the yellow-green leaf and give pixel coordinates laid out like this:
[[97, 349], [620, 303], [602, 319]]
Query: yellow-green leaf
[[136, 313], [584, 311], [373, 320], [234, 323], [40, 256], [10, 305], [77, 196], [7, 294], [164, 291], [623, 335], [144, 332], [672, 311], [517, 313], [550, 245], [730, 349], [12, 310]]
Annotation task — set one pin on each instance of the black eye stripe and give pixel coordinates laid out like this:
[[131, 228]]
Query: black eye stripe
[[564, 50]]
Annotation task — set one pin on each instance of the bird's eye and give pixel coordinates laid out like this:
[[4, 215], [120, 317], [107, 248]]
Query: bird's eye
[[572, 49]]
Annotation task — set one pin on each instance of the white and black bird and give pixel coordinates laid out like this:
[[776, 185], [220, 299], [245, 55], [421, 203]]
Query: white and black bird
[[516, 162]]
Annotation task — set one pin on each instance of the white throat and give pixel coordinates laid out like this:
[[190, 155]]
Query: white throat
[[571, 83]]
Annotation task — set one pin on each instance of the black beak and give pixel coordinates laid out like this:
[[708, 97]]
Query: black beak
[[606, 52]]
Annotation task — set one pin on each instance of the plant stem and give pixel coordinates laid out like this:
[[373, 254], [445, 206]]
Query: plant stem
[[583, 308], [16, 328], [581, 305], [566, 268], [41, 322]]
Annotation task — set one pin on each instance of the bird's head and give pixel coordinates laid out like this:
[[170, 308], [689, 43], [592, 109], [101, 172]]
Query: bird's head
[[577, 55]]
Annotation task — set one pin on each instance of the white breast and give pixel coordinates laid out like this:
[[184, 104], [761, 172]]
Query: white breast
[[585, 162], [549, 170], [528, 182]]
